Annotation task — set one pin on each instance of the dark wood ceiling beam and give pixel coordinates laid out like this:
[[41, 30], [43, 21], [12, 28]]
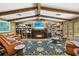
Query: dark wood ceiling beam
[[36, 19], [38, 8], [37, 16], [75, 18], [17, 11], [59, 10], [53, 17], [23, 18]]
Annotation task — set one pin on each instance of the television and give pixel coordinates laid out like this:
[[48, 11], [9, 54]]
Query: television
[[4, 26], [39, 25]]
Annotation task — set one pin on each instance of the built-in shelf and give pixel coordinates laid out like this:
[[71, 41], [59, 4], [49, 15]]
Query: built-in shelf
[[23, 30]]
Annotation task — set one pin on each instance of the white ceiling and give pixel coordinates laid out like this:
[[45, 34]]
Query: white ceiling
[[53, 14], [64, 6], [19, 15], [22, 20], [13, 6], [57, 20]]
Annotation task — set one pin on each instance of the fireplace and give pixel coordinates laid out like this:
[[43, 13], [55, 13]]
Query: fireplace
[[39, 34]]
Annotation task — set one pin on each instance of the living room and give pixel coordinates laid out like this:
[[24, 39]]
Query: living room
[[39, 29]]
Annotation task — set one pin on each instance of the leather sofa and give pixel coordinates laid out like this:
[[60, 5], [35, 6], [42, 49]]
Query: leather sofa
[[9, 45]]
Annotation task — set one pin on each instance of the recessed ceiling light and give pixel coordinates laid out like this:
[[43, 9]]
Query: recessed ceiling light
[[58, 14], [19, 14]]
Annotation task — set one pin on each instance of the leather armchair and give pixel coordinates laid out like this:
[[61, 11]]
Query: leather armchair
[[72, 49]]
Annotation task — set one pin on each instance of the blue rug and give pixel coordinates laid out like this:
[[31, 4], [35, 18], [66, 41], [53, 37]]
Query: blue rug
[[44, 48]]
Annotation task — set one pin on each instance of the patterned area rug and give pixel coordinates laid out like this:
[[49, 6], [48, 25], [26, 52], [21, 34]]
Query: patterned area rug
[[45, 48]]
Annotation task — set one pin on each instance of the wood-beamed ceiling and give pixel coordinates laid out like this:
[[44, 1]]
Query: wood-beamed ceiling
[[38, 7]]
